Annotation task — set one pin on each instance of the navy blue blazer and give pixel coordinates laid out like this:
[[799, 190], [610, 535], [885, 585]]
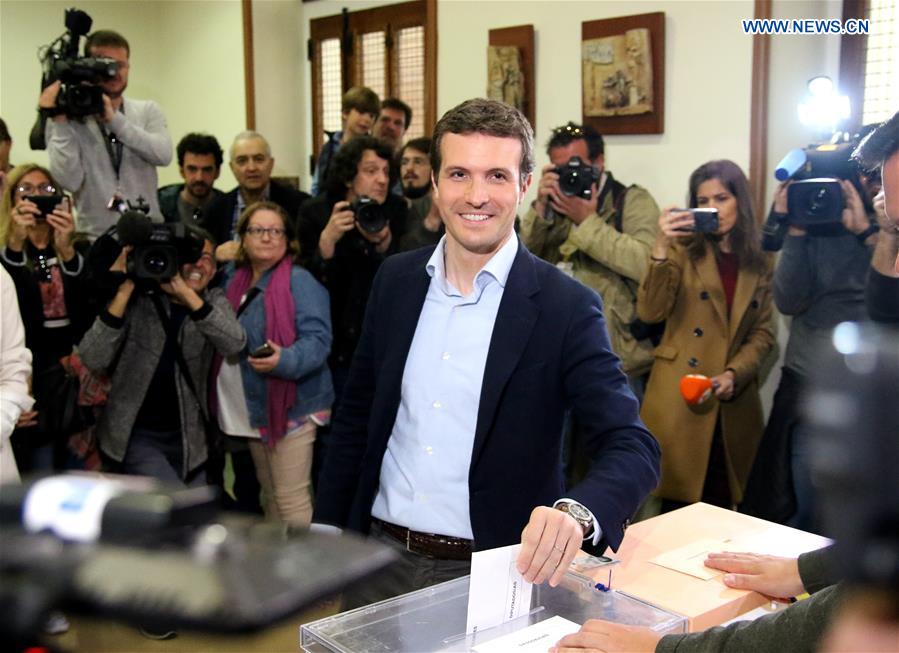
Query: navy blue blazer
[[549, 352]]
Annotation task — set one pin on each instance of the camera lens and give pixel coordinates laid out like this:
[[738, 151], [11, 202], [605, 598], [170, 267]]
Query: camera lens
[[570, 182], [156, 262], [370, 216]]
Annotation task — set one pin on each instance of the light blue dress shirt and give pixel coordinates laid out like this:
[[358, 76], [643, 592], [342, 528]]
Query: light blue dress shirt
[[424, 476]]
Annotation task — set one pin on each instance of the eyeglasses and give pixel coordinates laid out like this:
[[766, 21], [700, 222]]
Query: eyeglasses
[[40, 189], [570, 129], [275, 233]]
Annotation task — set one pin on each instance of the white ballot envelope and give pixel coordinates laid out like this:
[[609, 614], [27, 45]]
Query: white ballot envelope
[[497, 592]]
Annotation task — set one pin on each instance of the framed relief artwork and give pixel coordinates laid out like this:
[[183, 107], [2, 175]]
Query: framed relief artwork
[[623, 74], [510, 68]]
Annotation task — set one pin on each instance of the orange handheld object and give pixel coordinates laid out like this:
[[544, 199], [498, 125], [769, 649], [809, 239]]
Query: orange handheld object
[[695, 388]]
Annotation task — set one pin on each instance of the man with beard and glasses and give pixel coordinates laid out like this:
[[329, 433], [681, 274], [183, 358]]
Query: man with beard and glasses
[[200, 163], [111, 157], [425, 225]]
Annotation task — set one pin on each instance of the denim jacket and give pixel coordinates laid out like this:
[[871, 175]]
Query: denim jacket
[[305, 361]]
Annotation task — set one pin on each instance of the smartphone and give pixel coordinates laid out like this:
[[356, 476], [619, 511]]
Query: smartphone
[[704, 220], [263, 351], [45, 204]]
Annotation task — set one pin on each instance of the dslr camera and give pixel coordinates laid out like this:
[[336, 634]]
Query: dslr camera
[[370, 215], [79, 94], [576, 179], [815, 196], [159, 249]]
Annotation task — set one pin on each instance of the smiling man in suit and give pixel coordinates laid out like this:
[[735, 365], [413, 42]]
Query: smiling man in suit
[[448, 438]]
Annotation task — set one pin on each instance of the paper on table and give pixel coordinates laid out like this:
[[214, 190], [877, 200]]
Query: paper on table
[[533, 639], [497, 593], [689, 559]]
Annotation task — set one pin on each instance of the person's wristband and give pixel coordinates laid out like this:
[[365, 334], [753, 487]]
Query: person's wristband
[[863, 236]]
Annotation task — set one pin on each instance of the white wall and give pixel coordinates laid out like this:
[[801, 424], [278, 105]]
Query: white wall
[[186, 55], [279, 53], [707, 81]]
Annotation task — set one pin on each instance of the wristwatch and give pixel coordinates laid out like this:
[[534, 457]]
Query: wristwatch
[[580, 514]]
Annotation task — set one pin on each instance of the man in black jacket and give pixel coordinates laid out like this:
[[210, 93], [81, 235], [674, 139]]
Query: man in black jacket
[[200, 163], [340, 247], [344, 250], [251, 162]]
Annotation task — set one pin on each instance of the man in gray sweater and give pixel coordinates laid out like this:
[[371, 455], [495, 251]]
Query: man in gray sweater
[[111, 157]]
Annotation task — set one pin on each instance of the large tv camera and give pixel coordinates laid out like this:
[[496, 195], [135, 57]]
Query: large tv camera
[[79, 95], [159, 249], [133, 549], [815, 197]]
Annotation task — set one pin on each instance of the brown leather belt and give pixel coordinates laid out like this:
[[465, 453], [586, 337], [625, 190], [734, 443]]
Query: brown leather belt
[[441, 547]]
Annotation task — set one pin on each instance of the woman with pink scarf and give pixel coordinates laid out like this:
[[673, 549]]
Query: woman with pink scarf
[[277, 391]]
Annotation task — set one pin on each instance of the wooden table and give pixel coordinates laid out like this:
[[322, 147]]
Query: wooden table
[[705, 603]]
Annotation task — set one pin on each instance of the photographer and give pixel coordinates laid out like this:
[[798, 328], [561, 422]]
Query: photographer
[[819, 281], [45, 260], [104, 158], [340, 249], [344, 247], [603, 241], [158, 348], [714, 291]]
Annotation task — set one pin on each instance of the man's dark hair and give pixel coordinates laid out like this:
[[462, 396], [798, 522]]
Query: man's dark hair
[[362, 99], [398, 105], [422, 144], [4, 131], [196, 143], [879, 145], [571, 132], [491, 118], [346, 163], [106, 38]]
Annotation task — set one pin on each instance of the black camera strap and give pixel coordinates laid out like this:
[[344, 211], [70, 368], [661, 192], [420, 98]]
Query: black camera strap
[[179, 355], [114, 148]]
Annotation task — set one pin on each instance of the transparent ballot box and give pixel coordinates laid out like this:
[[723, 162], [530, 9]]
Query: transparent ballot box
[[433, 619]]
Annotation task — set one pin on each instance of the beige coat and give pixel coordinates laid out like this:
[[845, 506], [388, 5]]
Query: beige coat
[[610, 262], [700, 338]]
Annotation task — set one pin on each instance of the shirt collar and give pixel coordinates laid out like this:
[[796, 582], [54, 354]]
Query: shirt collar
[[498, 267], [241, 204]]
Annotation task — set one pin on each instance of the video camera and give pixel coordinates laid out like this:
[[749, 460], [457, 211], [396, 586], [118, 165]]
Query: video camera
[[134, 549], [159, 249], [370, 215], [576, 179], [79, 95], [815, 197]]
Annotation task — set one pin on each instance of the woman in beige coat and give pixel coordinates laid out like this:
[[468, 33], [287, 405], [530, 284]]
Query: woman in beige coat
[[713, 290]]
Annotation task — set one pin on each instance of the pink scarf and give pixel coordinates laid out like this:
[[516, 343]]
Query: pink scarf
[[280, 328]]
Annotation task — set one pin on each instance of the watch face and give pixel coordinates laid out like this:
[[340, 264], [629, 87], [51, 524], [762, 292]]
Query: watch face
[[580, 513]]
